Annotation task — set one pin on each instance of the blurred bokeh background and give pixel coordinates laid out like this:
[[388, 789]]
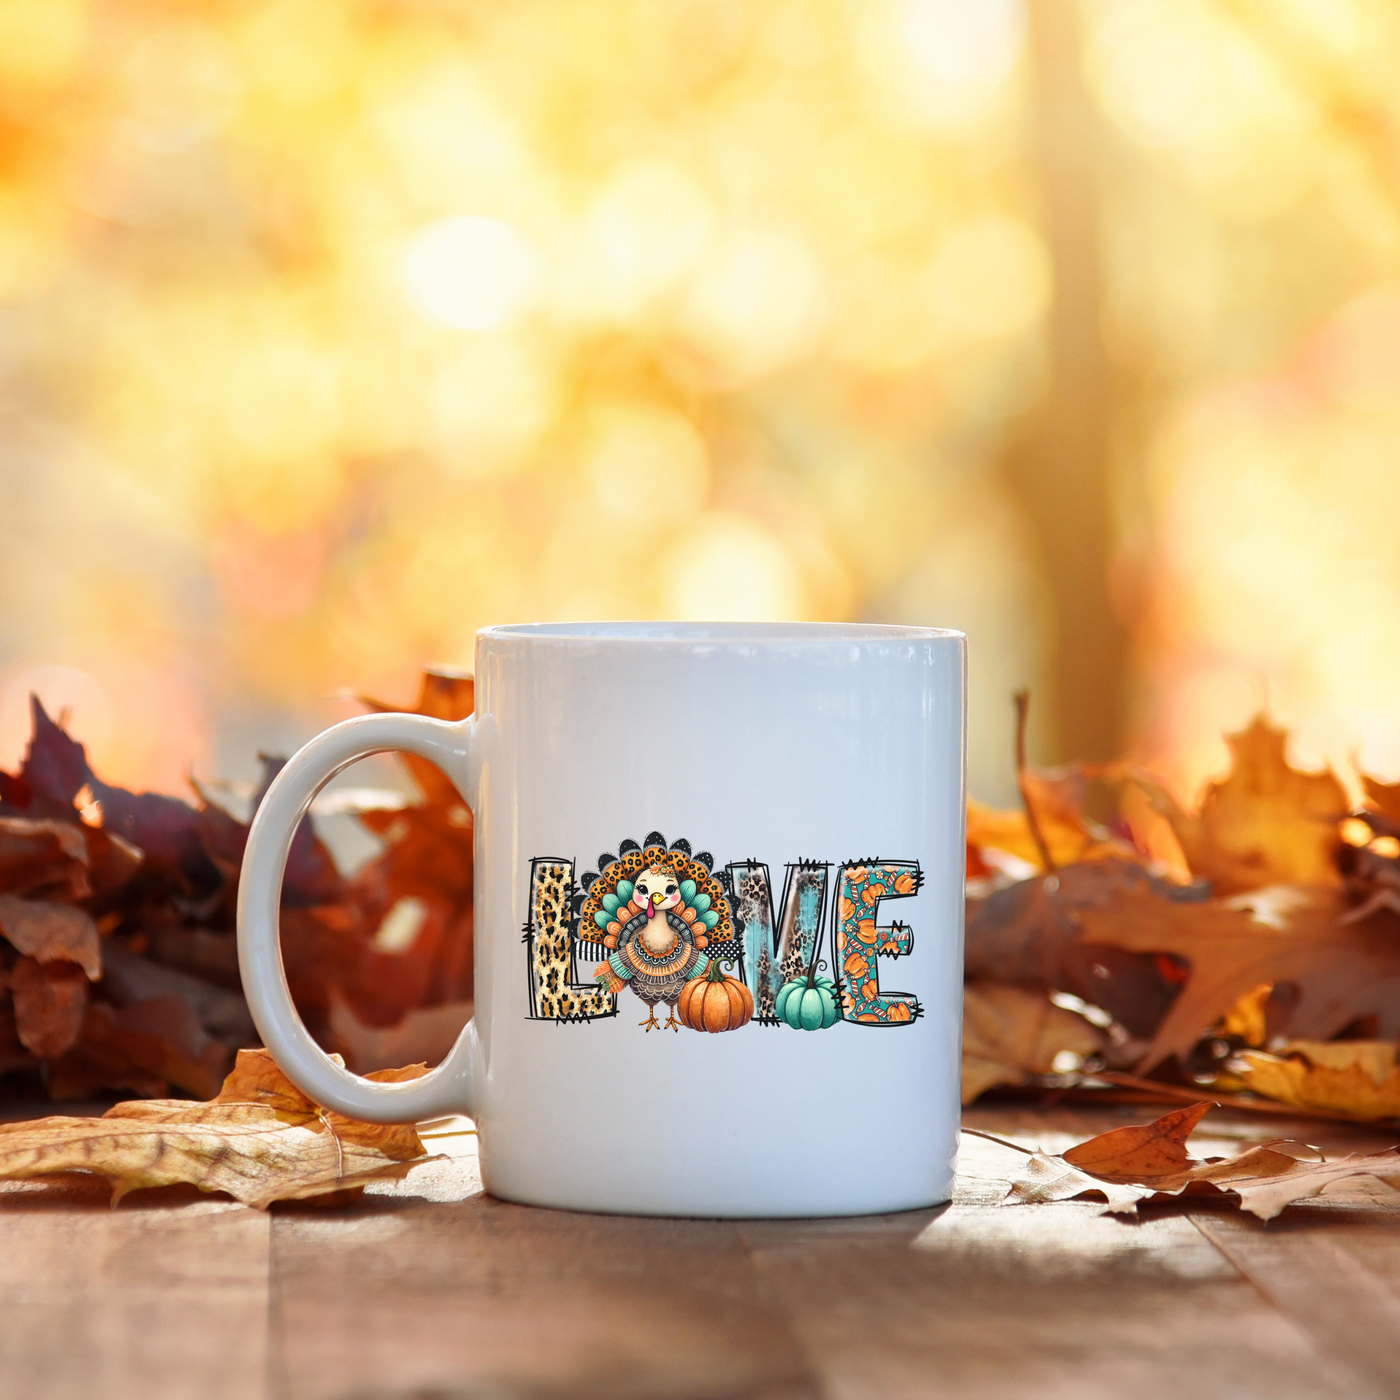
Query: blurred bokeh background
[[331, 330]]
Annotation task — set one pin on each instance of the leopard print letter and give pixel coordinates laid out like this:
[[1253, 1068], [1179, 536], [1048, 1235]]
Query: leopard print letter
[[554, 991]]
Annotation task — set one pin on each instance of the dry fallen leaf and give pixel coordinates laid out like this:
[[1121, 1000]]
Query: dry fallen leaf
[[139, 890], [1287, 934], [1142, 1154], [142, 1046], [1131, 1164], [50, 999], [46, 931], [43, 858], [1011, 1034], [261, 1140], [1265, 823], [1360, 1078], [1030, 934], [256, 1078]]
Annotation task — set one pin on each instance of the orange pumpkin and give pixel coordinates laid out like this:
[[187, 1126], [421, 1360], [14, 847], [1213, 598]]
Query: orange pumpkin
[[856, 965], [899, 1011], [904, 883], [715, 1002], [865, 931]]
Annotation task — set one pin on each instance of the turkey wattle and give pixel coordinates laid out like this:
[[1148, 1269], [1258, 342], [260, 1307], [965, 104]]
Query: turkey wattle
[[656, 923]]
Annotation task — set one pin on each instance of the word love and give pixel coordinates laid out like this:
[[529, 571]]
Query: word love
[[656, 918]]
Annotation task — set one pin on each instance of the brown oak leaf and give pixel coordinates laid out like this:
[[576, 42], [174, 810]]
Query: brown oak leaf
[[1339, 971], [1029, 934], [1141, 1154]]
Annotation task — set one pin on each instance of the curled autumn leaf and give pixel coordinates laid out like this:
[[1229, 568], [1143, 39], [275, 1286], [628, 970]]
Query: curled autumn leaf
[[261, 1140], [50, 932], [1133, 1164], [43, 859]]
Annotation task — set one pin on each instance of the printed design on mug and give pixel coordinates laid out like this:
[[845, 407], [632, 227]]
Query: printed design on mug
[[554, 991], [706, 944], [658, 909], [860, 940], [777, 951]]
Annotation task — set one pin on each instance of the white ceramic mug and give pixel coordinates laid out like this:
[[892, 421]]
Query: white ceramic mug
[[753, 829]]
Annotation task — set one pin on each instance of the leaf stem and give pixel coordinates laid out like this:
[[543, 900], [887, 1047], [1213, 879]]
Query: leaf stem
[[1001, 1142], [1023, 706]]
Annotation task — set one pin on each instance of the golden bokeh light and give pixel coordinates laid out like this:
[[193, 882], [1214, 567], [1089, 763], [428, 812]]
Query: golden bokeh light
[[332, 331], [471, 273]]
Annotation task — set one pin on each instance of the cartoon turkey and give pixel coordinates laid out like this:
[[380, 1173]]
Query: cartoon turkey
[[657, 909]]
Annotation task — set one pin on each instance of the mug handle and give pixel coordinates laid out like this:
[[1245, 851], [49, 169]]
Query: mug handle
[[450, 1087]]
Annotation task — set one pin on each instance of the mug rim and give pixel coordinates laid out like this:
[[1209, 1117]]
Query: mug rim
[[654, 633]]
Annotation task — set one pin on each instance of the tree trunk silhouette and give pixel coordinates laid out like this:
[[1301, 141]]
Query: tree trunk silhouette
[[1062, 468]]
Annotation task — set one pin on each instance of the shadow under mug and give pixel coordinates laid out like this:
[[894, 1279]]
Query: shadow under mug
[[718, 915]]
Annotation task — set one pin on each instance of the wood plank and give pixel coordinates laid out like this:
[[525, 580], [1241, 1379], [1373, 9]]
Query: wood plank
[[1002, 1302], [999, 1302], [1333, 1267], [407, 1294], [428, 1286], [151, 1301]]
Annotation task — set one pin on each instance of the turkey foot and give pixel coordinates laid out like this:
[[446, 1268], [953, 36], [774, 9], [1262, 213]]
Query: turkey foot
[[651, 1023], [672, 1024]]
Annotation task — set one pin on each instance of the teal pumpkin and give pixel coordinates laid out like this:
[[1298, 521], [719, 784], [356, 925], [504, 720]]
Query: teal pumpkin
[[807, 1003]]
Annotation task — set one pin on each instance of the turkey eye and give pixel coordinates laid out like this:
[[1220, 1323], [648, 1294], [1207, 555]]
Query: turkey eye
[[670, 889]]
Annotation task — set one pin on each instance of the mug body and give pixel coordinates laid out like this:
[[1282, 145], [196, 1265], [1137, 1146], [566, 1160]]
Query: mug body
[[706, 811]]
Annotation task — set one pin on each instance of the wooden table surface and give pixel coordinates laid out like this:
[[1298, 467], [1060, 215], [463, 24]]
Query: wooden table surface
[[429, 1289]]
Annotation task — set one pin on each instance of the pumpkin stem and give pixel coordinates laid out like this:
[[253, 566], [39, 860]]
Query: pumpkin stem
[[715, 972]]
